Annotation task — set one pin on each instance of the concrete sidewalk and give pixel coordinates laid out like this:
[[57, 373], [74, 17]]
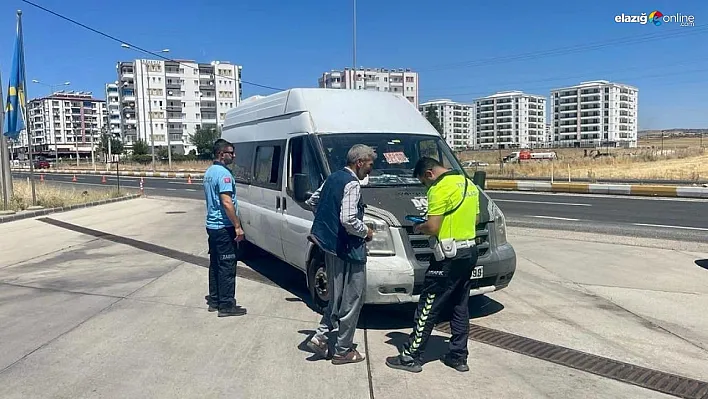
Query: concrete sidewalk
[[91, 316]]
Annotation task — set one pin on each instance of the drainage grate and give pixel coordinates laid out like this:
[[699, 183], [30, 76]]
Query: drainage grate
[[655, 380], [241, 271]]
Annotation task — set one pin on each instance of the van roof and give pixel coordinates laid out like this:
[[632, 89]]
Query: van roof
[[335, 111]]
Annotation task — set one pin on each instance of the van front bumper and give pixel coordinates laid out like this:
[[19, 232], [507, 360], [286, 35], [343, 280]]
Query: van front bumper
[[391, 280]]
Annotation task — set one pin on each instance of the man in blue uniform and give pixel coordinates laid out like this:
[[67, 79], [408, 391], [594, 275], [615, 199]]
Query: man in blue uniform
[[224, 230]]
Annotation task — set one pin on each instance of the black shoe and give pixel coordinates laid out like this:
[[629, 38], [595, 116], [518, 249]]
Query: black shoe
[[457, 364], [397, 362], [212, 306], [234, 311]]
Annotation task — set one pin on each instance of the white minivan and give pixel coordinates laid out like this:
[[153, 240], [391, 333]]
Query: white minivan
[[287, 143]]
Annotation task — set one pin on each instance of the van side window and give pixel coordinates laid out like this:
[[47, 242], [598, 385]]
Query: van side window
[[301, 159], [267, 170], [243, 162]]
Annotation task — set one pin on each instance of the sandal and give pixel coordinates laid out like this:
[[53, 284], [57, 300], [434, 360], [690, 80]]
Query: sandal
[[352, 356]]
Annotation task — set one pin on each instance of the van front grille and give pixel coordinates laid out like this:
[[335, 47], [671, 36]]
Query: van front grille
[[423, 253]]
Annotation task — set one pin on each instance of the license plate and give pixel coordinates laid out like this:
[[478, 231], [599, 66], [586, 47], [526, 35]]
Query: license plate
[[477, 272]]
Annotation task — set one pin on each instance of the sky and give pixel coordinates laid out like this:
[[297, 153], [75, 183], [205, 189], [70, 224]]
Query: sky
[[461, 49]]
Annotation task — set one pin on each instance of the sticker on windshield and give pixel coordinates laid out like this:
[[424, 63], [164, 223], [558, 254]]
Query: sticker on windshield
[[395, 157]]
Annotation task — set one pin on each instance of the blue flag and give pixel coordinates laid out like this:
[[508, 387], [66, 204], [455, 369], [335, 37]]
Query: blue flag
[[15, 109]]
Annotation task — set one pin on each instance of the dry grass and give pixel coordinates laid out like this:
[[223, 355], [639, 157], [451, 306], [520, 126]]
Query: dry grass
[[56, 196], [680, 159]]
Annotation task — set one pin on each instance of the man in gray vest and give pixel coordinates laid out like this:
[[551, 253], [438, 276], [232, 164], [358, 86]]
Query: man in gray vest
[[339, 230]]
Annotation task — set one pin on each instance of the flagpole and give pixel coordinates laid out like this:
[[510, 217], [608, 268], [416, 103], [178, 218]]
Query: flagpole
[[24, 105], [6, 182]]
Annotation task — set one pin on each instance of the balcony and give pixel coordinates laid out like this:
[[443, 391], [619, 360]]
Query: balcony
[[174, 108], [173, 85], [175, 137]]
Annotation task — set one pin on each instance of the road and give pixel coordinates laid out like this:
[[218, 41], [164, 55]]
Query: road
[[662, 218]]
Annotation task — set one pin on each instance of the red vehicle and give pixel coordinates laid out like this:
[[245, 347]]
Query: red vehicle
[[41, 164]]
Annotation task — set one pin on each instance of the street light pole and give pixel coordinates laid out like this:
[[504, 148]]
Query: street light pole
[[54, 138], [147, 76]]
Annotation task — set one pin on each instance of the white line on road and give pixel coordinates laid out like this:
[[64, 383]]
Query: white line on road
[[190, 189], [670, 227], [541, 202], [555, 218], [171, 189]]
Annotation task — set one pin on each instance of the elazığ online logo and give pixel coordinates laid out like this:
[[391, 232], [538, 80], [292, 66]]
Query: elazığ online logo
[[657, 18]]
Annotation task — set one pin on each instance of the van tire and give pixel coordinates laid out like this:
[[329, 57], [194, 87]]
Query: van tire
[[317, 281]]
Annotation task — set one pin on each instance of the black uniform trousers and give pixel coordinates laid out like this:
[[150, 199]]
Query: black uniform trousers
[[222, 267], [446, 290]]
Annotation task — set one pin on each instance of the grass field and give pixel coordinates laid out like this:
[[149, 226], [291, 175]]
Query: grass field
[[677, 159], [55, 196]]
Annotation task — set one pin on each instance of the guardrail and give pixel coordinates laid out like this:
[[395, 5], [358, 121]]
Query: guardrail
[[591, 188], [602, 180]]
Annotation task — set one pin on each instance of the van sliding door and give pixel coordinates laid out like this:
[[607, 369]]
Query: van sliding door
[[265, 195]]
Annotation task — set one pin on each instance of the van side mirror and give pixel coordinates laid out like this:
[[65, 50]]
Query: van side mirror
[[301, 187], [479, 178]]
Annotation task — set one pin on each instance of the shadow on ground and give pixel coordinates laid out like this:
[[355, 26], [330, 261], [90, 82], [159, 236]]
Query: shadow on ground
[[376, 317], [702, 263]]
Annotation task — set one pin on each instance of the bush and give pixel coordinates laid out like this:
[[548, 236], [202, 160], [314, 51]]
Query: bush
[[142, 158]]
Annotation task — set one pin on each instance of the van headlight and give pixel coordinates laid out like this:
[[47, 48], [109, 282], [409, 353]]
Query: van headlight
[[381, 243], [499, 225]]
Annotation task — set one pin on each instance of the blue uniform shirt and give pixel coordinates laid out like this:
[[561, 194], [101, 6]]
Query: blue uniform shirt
[[217, 180]]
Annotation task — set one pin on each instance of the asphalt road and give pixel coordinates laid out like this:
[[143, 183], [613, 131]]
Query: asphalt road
[[673, 219]]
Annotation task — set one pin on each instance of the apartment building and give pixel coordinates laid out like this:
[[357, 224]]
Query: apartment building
[[165, 102], [456, 120], [595, 113], [113, 121], [400, 81], [511, 119], [64, 125]]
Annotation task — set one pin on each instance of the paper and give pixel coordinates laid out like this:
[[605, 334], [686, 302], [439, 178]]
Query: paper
[[395, 157]]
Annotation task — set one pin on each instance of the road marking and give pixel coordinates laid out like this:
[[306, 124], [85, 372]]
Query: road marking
[[171, 189], [555, 218], [670, 227], [190, 189], [541, 202]]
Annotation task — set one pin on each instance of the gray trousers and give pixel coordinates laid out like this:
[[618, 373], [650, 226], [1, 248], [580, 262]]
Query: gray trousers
[[346, 284]]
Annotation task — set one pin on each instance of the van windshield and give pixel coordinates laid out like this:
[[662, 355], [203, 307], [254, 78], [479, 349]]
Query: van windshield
[[397, 154]]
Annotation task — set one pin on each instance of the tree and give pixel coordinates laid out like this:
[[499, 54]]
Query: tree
[[204, 139], [432, 117], [116, 145], [140, 147]]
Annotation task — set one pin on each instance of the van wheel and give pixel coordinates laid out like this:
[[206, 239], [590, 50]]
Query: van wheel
[[317, 281]]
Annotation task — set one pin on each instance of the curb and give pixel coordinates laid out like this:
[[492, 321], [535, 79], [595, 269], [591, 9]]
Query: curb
[[45, 211], [193, 175], [609, 189]]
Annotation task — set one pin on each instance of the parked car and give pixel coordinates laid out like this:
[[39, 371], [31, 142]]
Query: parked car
[[41, 164]]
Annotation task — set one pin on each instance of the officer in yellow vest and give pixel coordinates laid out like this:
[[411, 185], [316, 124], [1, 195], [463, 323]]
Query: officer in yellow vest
[[451, 224]]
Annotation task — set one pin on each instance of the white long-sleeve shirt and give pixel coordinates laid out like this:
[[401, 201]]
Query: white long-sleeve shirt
[[348, 211]]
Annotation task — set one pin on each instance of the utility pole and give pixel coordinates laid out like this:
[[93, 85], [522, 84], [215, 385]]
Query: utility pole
[[152, 137], [149, 100], [354, 36], [6, 182]]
